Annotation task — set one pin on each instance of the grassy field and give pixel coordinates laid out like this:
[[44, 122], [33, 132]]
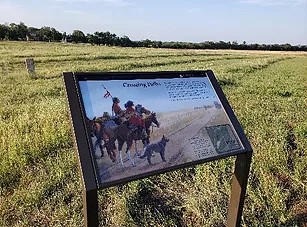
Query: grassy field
[[39, 180]]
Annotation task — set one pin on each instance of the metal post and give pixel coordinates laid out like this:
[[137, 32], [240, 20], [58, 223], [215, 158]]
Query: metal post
[[86, 167], [90, 208], [239, 183]]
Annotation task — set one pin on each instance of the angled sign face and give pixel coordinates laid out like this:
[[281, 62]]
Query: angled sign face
[[138, 124]]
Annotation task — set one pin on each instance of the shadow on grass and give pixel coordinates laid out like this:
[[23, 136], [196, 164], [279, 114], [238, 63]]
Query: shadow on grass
[[151, 207], [226, 82], [299, 220]]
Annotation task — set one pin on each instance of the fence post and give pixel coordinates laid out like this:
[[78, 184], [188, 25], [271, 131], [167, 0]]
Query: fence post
[[30, 66]]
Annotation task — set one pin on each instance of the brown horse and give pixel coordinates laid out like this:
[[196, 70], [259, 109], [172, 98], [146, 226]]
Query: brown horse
[[148, 122], [96, 128], [123, 135], [93, 133]]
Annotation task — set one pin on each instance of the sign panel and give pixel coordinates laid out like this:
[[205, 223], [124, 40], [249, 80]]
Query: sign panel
[[141, 124]]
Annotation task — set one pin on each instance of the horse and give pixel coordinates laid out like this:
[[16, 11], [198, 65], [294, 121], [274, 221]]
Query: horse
[[123, 135], [148, 122], [93, 133], [96, 129]]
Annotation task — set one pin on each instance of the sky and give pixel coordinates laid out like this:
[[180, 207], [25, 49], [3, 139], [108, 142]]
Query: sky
[[153, 96], [253, 21]]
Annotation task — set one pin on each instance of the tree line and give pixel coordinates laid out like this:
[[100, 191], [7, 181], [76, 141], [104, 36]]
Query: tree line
[[22, 32]]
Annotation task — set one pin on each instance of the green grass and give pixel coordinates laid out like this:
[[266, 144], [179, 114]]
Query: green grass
[[39, 180]]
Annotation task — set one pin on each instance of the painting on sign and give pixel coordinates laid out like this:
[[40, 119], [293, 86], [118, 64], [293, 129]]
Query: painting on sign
[[144, 125]]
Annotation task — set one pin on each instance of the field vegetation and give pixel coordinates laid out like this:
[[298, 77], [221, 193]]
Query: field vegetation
[[39, 180]]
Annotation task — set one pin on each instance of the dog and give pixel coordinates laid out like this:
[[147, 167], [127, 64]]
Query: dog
[[155, 147]]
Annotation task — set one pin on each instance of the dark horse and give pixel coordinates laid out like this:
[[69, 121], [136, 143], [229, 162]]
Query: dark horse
[[148, 122], [94, 127], [123, 135]]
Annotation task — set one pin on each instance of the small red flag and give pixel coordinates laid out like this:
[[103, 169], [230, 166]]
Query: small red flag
[[106, 95]]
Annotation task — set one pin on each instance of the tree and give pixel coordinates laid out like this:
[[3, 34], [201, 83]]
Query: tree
[[222, 45], [3, 31], [125, 41], [90, 38], [12, 32], [254, 46], [32, 34], [95, 38], [78, 36], [56, 35], [64, 37], [286, 47], [157, 44], [22, 31], [146, 43], [45, 33], [114, 40], [108, 39]]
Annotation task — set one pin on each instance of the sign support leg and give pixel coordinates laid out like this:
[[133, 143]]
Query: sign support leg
[[90, 208], [239, 183]]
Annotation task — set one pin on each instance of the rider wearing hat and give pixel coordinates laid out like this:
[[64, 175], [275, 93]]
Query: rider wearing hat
[[106, 116], [118, 112], [134, 120]]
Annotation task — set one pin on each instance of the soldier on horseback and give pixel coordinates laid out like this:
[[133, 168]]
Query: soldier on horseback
[[117, 111], [135, 121], [140, 110], [105, 117]]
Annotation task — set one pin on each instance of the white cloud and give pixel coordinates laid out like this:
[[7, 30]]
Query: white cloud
[[275, 2]]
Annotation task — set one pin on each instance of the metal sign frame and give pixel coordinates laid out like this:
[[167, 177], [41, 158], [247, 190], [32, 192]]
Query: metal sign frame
[[83, 145]]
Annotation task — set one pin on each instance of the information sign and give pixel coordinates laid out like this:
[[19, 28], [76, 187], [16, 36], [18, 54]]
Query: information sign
[[137, 124]]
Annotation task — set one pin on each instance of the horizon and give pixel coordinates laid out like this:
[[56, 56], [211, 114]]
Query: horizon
[[252, 21]]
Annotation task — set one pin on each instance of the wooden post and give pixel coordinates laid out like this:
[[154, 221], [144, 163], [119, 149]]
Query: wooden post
[[239, 183]]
